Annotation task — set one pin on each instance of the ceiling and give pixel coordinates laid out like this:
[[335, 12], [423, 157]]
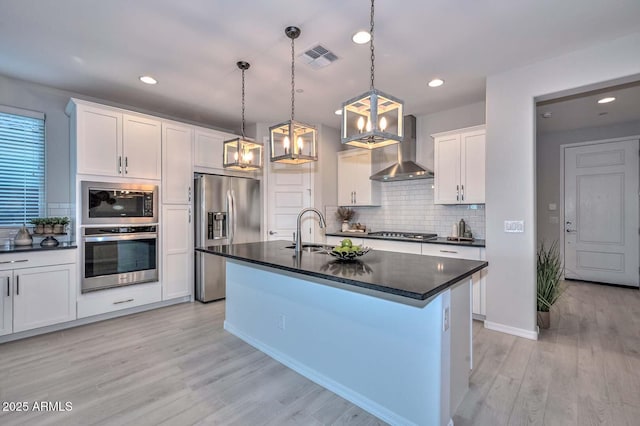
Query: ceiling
[[583, 110], [100, 48]]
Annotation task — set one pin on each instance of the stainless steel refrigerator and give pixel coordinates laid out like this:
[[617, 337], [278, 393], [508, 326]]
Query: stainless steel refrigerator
[[227, 211]]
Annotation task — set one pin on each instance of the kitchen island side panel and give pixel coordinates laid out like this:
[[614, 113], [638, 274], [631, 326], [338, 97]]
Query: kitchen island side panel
[[389, 358]]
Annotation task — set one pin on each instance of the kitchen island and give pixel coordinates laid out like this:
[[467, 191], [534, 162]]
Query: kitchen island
[[390, 332]]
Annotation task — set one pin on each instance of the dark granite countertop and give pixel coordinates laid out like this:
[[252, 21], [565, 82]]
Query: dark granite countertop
[[439, 240], [407, 275], [36, 247]]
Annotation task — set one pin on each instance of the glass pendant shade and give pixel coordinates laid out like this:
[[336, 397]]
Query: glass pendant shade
[[293, 142], [241, 154], [372, 120]]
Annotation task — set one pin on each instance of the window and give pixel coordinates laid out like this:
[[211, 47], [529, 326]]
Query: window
[[21, 166]]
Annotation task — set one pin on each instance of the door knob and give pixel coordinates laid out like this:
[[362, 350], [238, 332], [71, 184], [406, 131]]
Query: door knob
[[272, 232]]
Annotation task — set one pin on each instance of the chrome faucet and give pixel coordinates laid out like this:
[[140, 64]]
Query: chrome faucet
[[299, 223]]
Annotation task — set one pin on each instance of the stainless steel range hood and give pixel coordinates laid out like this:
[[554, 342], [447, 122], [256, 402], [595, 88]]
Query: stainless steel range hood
[[406, 168]]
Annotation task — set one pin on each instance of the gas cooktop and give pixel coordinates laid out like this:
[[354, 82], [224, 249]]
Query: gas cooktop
[[414, 236]]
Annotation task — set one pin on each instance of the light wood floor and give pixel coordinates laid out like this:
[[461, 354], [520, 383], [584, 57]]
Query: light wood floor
[[177, 366]]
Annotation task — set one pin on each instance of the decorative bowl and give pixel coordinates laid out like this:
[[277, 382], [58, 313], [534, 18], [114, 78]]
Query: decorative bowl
[[350, 255]]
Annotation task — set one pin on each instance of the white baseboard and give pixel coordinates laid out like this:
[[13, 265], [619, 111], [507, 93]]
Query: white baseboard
[[356, 398], [89, 320], [520, 332]]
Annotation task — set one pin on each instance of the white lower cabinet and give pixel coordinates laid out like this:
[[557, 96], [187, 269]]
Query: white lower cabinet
[[39, 295], [177, 249], [479, 278]]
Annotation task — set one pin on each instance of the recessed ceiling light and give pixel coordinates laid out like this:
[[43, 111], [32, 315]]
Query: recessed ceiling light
[[546, 114], [147, 79], [338, 111], [361, 37], [606, 100], [436, 82]]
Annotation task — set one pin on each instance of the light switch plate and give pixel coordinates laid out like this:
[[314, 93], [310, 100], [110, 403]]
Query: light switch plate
[[514, 226]]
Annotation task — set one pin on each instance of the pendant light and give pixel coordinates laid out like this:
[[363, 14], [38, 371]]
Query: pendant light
[[373, 119], [293, 142], [240, 153]]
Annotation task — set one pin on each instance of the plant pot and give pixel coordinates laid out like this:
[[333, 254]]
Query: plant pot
[[48, 229], [39, 229], [345, 226], [58, 228], [544, 319]]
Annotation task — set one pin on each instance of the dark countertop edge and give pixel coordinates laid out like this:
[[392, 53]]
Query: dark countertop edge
[[439, 240], [24, 249], [383, 289]]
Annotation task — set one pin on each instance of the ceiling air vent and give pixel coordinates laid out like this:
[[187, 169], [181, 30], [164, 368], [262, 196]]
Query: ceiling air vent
[[318, 57]]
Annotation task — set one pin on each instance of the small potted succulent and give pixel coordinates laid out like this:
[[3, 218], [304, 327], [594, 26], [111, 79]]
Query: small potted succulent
[[38, 225], [48, 225], [60, 224], [345, 214]]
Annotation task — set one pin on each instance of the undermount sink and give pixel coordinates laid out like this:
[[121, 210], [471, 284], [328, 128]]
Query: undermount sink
[[311, 248]]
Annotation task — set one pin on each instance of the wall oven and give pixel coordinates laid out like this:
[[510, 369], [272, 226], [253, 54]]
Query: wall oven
[[118, 203], [118, 256]]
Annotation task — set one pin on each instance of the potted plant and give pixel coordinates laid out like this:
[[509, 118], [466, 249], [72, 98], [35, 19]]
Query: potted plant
[[345, 214], [38, 225], [48, 225], [549, 274], [60, 224]]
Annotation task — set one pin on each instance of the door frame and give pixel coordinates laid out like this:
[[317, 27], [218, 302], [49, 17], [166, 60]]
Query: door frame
[[563, 147]]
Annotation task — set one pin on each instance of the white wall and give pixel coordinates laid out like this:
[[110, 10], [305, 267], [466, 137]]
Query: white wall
[[511, 165], [548, 179]]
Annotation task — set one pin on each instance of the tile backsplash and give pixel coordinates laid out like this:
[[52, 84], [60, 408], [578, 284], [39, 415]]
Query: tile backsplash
[[7, 234], [407, 206]]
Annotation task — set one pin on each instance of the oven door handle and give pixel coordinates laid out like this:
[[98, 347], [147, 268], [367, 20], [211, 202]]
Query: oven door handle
[[127, 237]]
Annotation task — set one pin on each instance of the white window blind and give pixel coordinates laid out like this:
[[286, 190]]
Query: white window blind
[[21, 167]]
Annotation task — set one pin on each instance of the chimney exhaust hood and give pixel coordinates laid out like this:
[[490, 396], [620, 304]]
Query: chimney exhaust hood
[[406, 167]]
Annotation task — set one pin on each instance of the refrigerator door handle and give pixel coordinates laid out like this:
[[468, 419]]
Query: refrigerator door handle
[[231, 217]]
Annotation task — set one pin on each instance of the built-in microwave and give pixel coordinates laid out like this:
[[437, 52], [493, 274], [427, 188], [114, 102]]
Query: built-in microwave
[[118, 203]]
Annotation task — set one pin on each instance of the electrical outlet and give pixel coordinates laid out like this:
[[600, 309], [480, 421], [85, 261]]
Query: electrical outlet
[[514, 226], [282, 322], [445, 319]]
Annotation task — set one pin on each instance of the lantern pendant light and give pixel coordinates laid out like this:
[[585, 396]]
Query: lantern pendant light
[[293, 142], [240, 153], [373, 119]]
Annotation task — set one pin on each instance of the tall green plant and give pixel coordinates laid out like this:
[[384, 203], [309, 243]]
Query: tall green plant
[[549, 274]]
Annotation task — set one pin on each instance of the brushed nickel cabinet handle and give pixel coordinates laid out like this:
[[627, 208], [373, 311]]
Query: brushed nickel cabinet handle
[[14, 261], [126, 165], [120, 164], [8, 287], [457, 192], [462, 192], [17, 285], [123, 301], [448, 251]]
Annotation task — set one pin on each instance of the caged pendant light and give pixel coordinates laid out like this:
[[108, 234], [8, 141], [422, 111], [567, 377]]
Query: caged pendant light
[[240, 153], [373, 119], [293, 142]]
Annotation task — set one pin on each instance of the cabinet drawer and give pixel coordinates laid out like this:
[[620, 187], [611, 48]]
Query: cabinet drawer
[[447, 250], [32, 259], [104, 301]]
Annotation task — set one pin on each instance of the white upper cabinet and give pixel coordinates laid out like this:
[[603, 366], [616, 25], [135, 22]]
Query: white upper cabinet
[[459, 166], [113, 142], [208, 148], [354, 186], [141, 150], [177, 160]]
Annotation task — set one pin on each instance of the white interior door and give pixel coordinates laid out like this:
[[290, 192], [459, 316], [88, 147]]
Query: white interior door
[[288, 192], [601, 213]]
